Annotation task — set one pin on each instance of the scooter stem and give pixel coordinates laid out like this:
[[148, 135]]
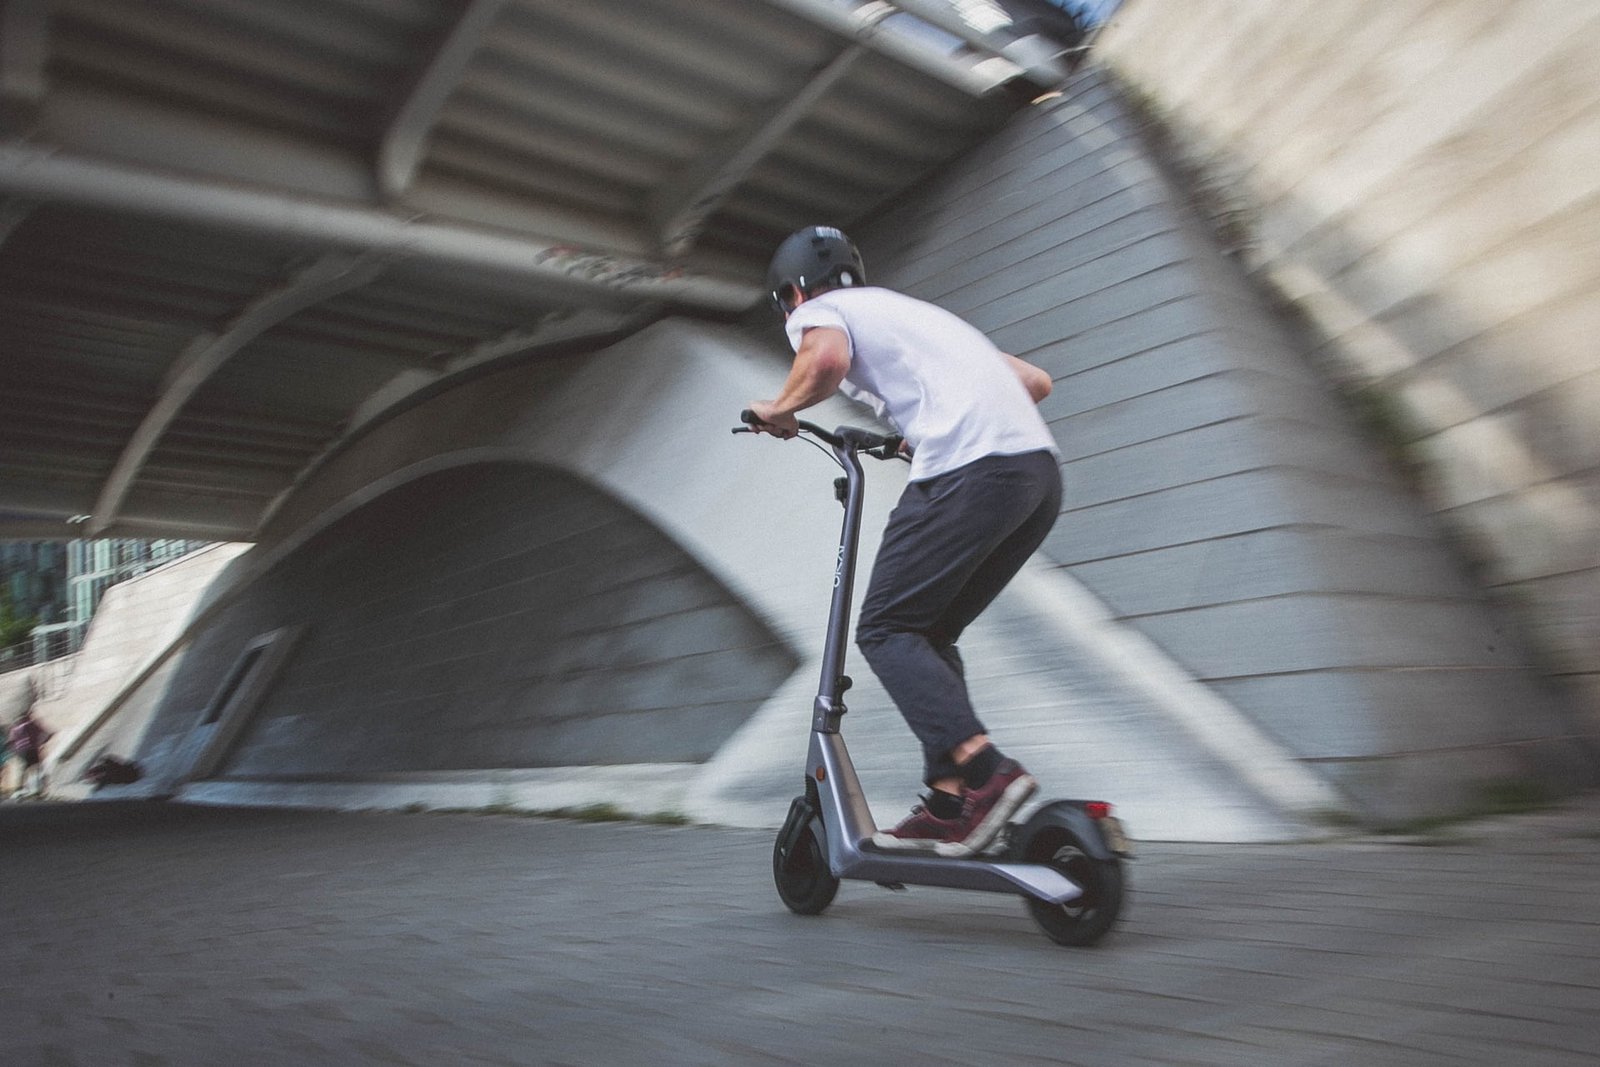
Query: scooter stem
[[830, 691]]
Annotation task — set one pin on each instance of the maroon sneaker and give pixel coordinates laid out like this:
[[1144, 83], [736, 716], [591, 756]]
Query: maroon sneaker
[[989, 805], [922, 831]]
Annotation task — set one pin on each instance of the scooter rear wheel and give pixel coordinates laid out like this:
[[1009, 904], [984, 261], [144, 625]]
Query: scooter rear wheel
[[1085, 919], [805, 884]]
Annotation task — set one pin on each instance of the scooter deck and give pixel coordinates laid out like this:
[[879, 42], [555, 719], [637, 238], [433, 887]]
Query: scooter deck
[[865, 862]]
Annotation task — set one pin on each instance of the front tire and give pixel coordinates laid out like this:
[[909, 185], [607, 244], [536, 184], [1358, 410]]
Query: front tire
[[805, 885], [1084, 920]]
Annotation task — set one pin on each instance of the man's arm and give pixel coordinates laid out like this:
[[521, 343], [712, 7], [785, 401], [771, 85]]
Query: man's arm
[[1034, 380], [820, 364]]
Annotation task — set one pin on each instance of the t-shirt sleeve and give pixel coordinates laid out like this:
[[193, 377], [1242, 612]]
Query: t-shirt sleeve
[[812, 314]]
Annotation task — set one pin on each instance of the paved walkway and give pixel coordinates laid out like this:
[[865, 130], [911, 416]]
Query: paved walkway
[[169, 935]]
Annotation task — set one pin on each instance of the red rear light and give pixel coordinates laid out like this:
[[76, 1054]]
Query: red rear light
[[1097, 809]]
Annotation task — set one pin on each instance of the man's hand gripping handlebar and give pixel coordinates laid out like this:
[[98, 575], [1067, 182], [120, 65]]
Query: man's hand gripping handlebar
[[877, 445]]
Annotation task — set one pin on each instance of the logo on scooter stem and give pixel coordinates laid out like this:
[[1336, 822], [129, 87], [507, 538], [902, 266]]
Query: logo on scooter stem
[[838, 568]]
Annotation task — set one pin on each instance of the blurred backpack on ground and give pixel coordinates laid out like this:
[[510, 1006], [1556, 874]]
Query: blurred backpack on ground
[[109, 770]]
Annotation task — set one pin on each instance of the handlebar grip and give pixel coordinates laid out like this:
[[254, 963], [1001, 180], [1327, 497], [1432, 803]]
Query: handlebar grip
[[881, 446], [751, 420]]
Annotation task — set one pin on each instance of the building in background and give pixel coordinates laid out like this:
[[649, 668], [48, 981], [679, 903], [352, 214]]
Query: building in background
[[33, 592], [57, 586]]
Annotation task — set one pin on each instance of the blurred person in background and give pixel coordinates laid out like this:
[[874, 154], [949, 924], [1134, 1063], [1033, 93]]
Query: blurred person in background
[[27, 740]]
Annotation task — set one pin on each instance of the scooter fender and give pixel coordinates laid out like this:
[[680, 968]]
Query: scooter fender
[[1070, 815], [801, 813]]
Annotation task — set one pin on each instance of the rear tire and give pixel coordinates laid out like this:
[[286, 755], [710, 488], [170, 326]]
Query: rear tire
[[1084, 920], [805, 885]]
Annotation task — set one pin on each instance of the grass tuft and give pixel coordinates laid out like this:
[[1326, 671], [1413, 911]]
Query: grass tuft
[[586, 813]]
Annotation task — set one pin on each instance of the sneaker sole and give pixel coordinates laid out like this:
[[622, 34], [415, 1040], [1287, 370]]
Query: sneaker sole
[[890, 843]]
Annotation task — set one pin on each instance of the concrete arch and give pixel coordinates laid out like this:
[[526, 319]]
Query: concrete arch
[[478, 614]]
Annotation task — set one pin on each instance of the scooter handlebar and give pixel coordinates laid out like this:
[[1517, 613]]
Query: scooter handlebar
[[882, 446]]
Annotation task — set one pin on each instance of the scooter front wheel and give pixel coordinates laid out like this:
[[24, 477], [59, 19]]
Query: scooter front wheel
[[1084, 919], [805, 884]]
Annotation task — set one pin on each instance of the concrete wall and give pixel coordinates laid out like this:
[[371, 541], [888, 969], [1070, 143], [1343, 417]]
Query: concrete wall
[[1423, 180], [18, 690], [137, 621], [1218, 497]]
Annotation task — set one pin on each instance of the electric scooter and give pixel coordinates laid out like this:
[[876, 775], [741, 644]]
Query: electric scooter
[[1066, 860]]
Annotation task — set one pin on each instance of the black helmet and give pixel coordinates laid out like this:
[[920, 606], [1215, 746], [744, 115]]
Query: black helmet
[[809, 259]]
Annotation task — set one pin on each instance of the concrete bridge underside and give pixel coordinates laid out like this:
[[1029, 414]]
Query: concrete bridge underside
[[565, 583]]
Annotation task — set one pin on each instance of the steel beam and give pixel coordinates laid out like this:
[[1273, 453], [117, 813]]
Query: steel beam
[[585, 274], [104, 125], [1032, 55], [861, 24], [205, 355], [12, 212], [681, 207], [24, 49], [400, 152]]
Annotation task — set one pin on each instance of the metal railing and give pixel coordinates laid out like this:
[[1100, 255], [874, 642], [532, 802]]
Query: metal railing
[[44, 644]]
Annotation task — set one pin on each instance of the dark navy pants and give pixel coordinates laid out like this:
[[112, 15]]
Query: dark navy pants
[[952, 544]]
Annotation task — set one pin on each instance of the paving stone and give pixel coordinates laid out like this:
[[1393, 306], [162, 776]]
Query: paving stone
[[163, 934]]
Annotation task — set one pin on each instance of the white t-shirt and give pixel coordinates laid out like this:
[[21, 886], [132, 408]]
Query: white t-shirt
[[944, 385]]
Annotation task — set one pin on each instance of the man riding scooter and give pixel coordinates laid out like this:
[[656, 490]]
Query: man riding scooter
[[984, 490]]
